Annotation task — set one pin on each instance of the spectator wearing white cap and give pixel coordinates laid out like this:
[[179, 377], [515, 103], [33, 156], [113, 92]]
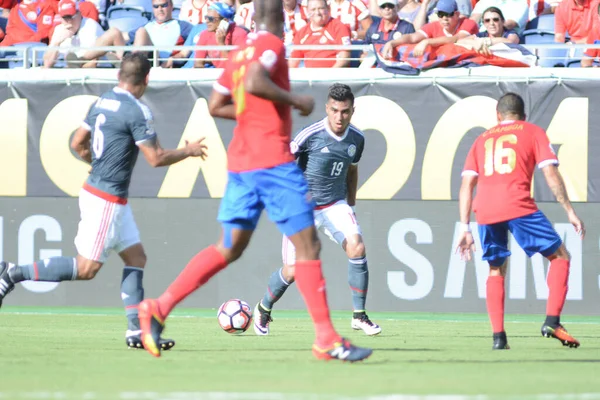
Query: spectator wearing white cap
[[73, 31], [449, 28], [390, 27]]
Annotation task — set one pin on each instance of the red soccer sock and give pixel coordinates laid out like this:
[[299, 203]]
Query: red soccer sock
[[311, 284], [558, 279], [495, 302], [196, 273]]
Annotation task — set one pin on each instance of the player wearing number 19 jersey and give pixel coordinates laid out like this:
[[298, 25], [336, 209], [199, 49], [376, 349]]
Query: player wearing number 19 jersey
[[501, 163], [328, 152], [116, 127], [262, 175]]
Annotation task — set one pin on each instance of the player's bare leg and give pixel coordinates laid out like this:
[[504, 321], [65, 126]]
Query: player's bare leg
[[495, 295], [132, 293], [558, 278], [197, 272], [358, 279], [311, 284]]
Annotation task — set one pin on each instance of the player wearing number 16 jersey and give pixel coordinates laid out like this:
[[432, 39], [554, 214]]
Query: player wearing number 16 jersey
[[262, 175], [116, 127], [328, 152], [501, 163]]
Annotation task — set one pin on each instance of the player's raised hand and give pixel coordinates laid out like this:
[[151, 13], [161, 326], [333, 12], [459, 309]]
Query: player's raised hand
[[197, 148], [577, 224], [304, 104], [466, 245]]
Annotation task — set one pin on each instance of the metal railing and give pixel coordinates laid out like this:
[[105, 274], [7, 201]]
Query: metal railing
[[31, 57]]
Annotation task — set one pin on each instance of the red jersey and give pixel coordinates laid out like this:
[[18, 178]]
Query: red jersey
[[434, 29], [235, 36], [504, 159], [29, 23], [261, 138], [334, 32]]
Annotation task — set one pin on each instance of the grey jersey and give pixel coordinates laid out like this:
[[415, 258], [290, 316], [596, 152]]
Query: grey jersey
[[119, 123], [325, 158]]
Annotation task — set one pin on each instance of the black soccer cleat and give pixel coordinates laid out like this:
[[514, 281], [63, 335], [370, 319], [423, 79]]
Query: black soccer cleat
[[343, 351], [500, 341], [134, 341], [6, 283], [559, 333]]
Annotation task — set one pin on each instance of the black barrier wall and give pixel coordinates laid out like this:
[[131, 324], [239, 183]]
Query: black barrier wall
[[410, 247]]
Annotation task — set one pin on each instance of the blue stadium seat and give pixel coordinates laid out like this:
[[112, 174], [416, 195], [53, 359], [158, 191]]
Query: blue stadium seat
[[127, 24], [120, 11], [16, 59], [191, 40], [548, 57], [145, 4], [176, 11], [543, 23]]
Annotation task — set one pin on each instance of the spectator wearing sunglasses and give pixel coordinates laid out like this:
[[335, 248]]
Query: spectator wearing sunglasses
[[449, 28], [516, 13], [220, 31], [495, 33], [391, 26]]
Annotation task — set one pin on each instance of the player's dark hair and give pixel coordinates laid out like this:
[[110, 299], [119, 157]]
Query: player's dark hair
[[340, 92], [135, 67], [511, 103], [494, 10], [268, 12]]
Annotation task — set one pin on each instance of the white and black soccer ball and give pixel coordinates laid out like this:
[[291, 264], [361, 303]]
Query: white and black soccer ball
[[234, 316]]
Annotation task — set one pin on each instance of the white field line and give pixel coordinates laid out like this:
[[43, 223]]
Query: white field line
[[280, 396]]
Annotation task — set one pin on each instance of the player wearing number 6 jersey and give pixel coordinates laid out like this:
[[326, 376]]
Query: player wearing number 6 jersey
[[328, 152], [116, 127], [262, 176], [501, 163]]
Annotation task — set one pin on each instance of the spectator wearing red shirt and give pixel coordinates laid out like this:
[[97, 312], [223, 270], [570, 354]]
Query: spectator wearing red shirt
[[294, 19], [449, 28], [591, 55], [29, 21], [575, 17], [500, 165], [321, 30], [221, 31]]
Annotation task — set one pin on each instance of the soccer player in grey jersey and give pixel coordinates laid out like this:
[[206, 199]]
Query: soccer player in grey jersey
[[328, 152], [117, 126]]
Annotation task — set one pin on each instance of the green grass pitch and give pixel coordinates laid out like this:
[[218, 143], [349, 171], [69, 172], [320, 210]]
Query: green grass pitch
[[76, 353]]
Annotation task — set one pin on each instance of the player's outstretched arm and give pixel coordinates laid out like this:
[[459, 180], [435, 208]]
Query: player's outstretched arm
[[220, 105], [466, 244], [258, 83], [557, 185], [159, 157], [81, 144]]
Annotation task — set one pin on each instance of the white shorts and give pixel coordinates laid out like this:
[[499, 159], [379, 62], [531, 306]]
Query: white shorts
[[337, 221], [104, 226]]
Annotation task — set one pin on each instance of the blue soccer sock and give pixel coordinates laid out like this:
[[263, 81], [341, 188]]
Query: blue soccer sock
[[277, 287], [55, 269], [132, 293], [358, 279]]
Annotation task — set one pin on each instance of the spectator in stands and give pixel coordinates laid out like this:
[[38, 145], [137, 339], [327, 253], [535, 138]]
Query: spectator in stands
[[74, 31], [413, 11], [6, 6], [592, 55], [220, 30], [244, 15], [29, 21], [495, 33], [389, 27], [87, 9], [324, 30], [464, 8], [575, 17], [294, 19], [516, 13], [194, 11], [354, 14], [449, 28]]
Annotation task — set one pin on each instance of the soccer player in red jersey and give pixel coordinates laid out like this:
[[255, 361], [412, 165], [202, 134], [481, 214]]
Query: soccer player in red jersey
[[501, 163], [262, 175]]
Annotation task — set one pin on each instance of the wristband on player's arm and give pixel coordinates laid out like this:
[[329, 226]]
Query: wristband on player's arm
[[465, 227]]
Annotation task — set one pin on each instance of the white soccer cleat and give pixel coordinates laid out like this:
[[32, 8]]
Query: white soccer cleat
[[262, 318], [368, 327]]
